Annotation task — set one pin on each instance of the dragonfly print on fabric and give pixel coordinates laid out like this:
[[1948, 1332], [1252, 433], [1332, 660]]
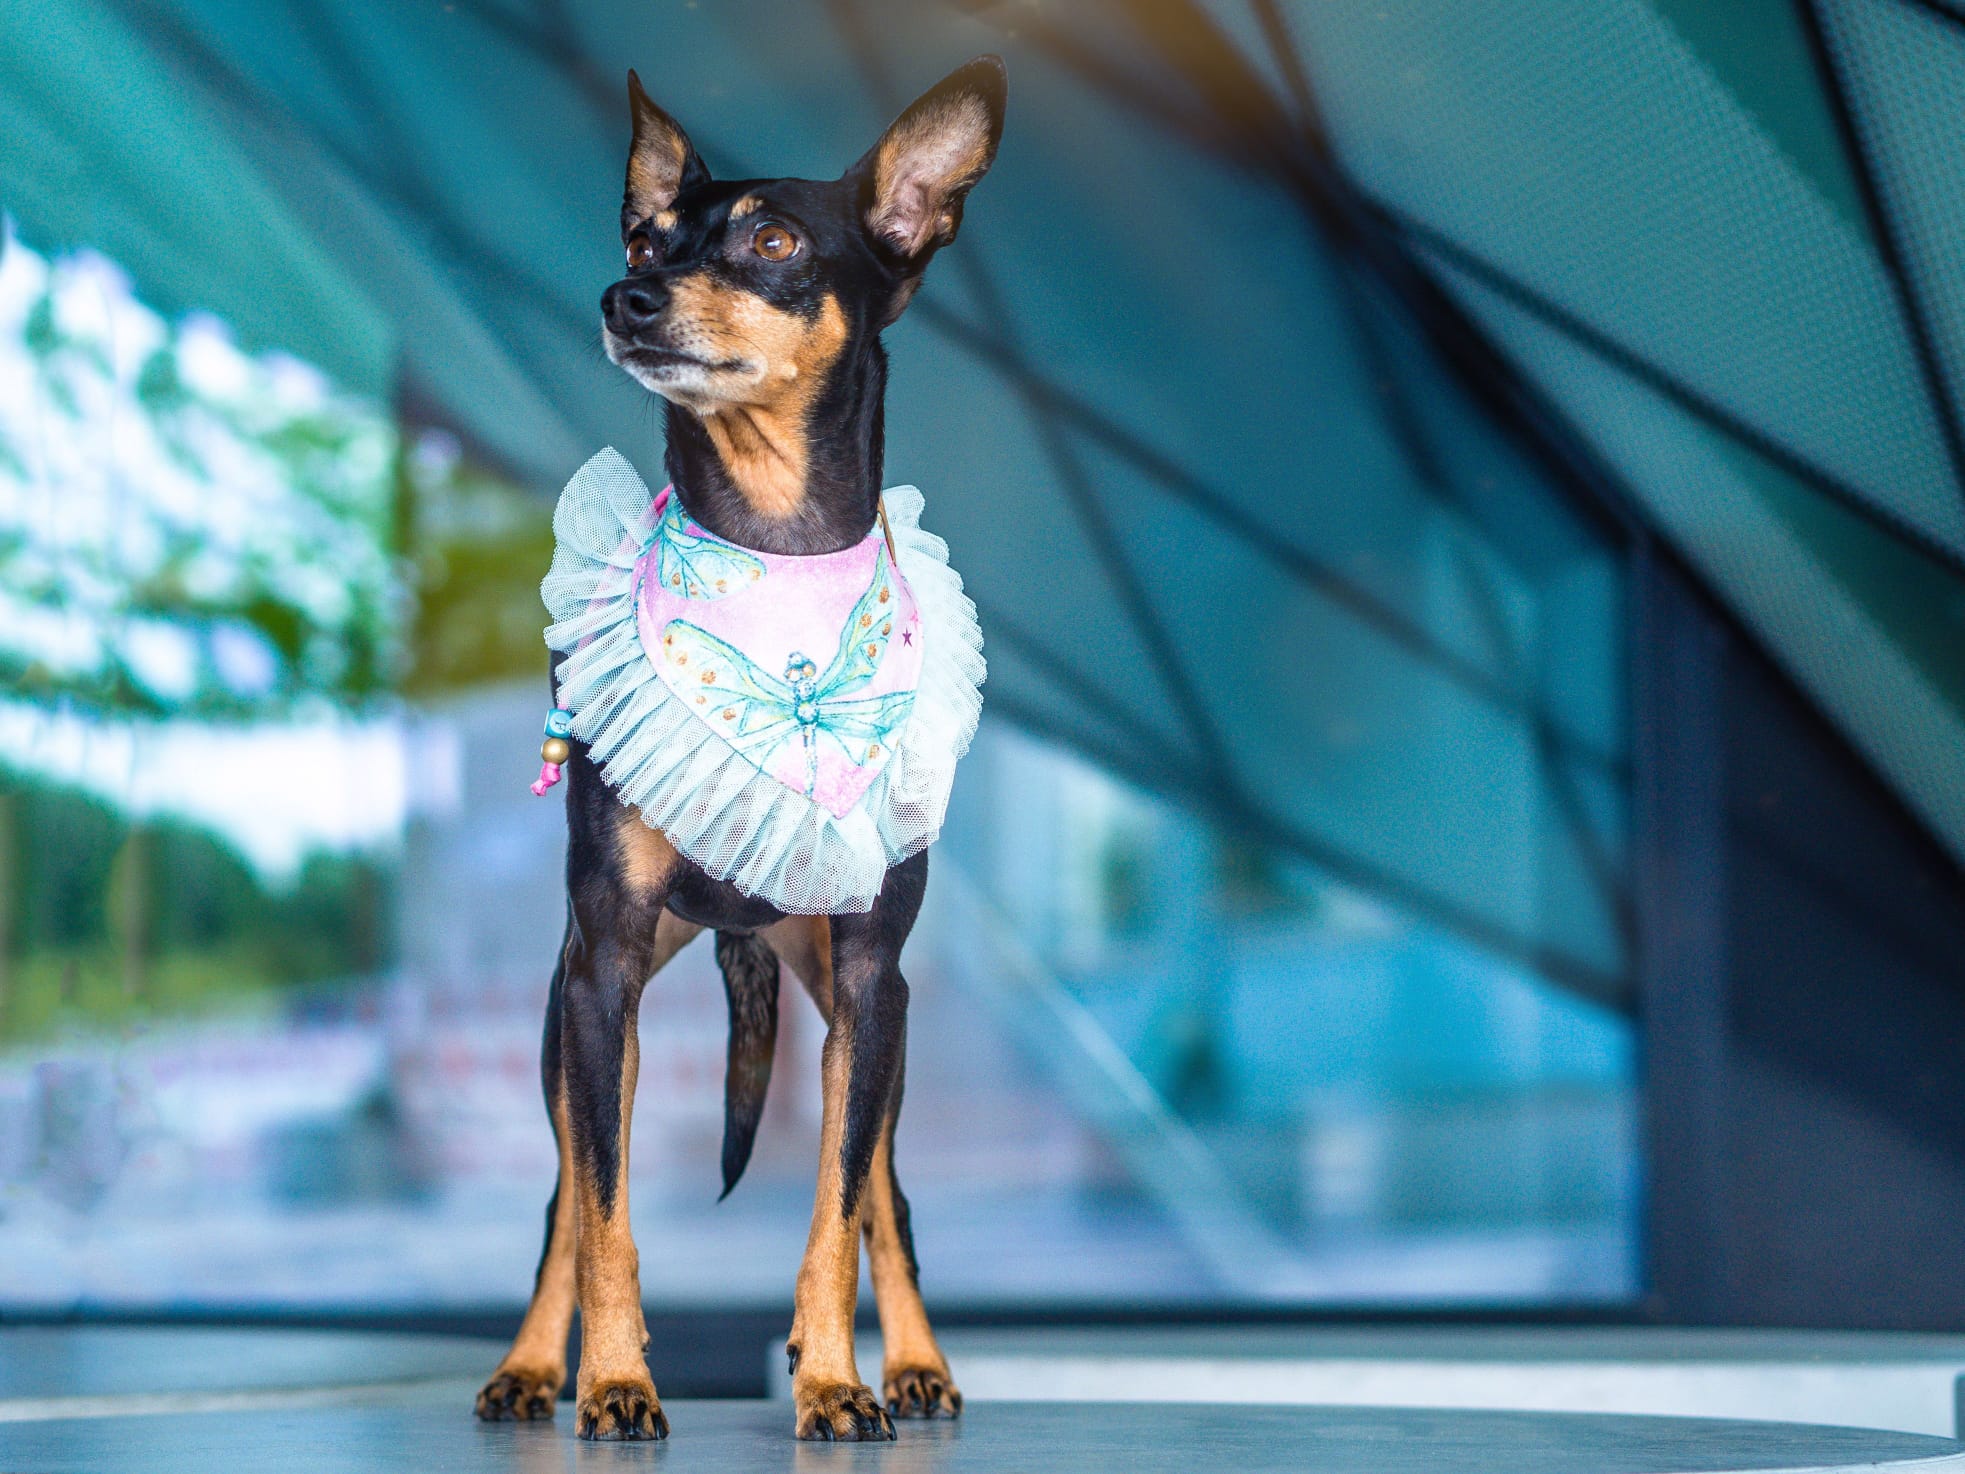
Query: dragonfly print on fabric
[[694, 564], [758, 712]]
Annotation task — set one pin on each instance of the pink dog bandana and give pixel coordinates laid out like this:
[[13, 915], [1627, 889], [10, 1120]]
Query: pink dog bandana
[[791, 724], [805, 666]]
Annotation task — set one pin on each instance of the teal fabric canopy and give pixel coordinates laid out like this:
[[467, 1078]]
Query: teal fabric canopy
[[1725, 242], [1238, 528]]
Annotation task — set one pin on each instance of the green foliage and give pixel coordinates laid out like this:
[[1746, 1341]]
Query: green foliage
[[87, 987], [481, 547], [103, 920], [224, 543], [187, 531], [63, 847]]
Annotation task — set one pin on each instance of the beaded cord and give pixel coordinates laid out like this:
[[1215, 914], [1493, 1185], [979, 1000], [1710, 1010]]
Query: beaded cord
[[554, 751]]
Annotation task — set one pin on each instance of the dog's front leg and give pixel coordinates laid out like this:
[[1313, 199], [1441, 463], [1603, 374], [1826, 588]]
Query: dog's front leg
[[527, 1382], [915, 1379], [860, 1064], [613, 950], [615, 1395]]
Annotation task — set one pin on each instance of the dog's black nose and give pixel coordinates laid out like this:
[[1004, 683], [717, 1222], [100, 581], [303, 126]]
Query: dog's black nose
[[629, 305]]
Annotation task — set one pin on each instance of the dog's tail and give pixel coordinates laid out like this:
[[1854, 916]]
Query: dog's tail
[[750, 983]]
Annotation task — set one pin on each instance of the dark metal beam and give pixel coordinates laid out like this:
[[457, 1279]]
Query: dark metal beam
[[1889, 246], [1701, 407], [1601, 868], [1304, 567], [1087, 690], [1938, 10], [1289, 61]]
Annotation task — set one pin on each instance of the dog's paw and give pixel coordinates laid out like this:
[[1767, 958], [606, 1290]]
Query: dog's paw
[[921, 1392], [519, 1394], [624, 1411], [841, 1412]]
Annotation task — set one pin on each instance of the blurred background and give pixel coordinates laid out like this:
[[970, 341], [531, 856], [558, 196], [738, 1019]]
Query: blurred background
[[1467, 506]]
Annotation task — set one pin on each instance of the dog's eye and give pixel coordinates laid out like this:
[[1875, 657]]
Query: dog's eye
[[641, 252], [774, 243]]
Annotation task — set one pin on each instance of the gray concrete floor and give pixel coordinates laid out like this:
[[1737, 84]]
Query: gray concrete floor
[[438, 1434], [1865, 1379], [214, 1402]]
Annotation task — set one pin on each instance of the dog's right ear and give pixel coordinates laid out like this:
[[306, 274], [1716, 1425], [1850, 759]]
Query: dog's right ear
[[662, 162], [913, 182]]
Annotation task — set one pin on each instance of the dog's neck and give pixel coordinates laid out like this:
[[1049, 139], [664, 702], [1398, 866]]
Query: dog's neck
[[800, 481]]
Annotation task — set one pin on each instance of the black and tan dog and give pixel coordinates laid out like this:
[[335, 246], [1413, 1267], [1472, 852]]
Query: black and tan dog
[[755, 310]]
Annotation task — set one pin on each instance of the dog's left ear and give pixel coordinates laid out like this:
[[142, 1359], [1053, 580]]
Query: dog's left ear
[[662, 162], [912, 183]]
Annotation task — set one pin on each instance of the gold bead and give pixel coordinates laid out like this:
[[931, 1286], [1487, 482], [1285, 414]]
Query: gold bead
[[555, 750]]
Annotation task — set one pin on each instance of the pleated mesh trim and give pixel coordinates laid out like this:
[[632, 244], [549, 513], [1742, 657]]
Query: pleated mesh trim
[[715, 807]]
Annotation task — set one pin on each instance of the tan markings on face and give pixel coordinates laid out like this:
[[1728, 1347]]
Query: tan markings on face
[[745, 206], [665, 219], [647, 857], [755, 415]]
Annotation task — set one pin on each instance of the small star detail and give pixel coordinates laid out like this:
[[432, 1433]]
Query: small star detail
[[907, 637]]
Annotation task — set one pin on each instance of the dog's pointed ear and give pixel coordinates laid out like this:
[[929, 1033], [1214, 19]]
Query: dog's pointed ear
[[912, 183], [662, 162]]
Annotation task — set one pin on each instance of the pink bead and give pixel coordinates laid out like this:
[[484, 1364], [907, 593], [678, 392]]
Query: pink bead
[[548, 776]]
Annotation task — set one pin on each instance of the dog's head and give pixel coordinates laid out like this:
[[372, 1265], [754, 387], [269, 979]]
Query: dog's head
[[743, 298]]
